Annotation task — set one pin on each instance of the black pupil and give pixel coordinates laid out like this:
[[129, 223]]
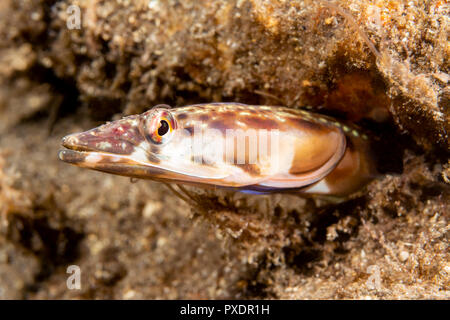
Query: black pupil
[[163, 127]]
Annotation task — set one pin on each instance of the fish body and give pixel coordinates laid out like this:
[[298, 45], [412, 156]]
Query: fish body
[[257, 149]]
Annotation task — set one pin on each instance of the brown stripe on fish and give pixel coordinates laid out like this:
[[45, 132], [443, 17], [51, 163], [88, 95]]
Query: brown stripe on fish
[[154, 149], [251, 169], [223, 125], [204, 161], [182, 116], [189, 129], [256, 122], [303, 124], [151, 156]]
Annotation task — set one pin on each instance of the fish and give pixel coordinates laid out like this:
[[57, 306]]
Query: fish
[[246, 148]]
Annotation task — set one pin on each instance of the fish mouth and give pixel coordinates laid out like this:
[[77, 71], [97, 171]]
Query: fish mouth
[[82, 156], [117, 164], [72, 156], [74, 153], [90, 157], [78, 149], [120, 147], [111, 142], [84, 153]]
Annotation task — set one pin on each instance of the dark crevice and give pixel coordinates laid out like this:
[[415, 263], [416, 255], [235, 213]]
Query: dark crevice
[[64, 95], [302, 259], [332, 214], [66, 87], [46, 235], [253, 284]]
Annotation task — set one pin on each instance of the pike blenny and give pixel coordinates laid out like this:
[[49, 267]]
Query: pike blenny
[[256, 149]]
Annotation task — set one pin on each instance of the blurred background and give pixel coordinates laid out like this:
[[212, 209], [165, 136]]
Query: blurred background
[[67, 66]]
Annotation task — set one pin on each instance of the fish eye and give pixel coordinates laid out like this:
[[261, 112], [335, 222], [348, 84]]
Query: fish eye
[[159, 125], [163, 127]]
